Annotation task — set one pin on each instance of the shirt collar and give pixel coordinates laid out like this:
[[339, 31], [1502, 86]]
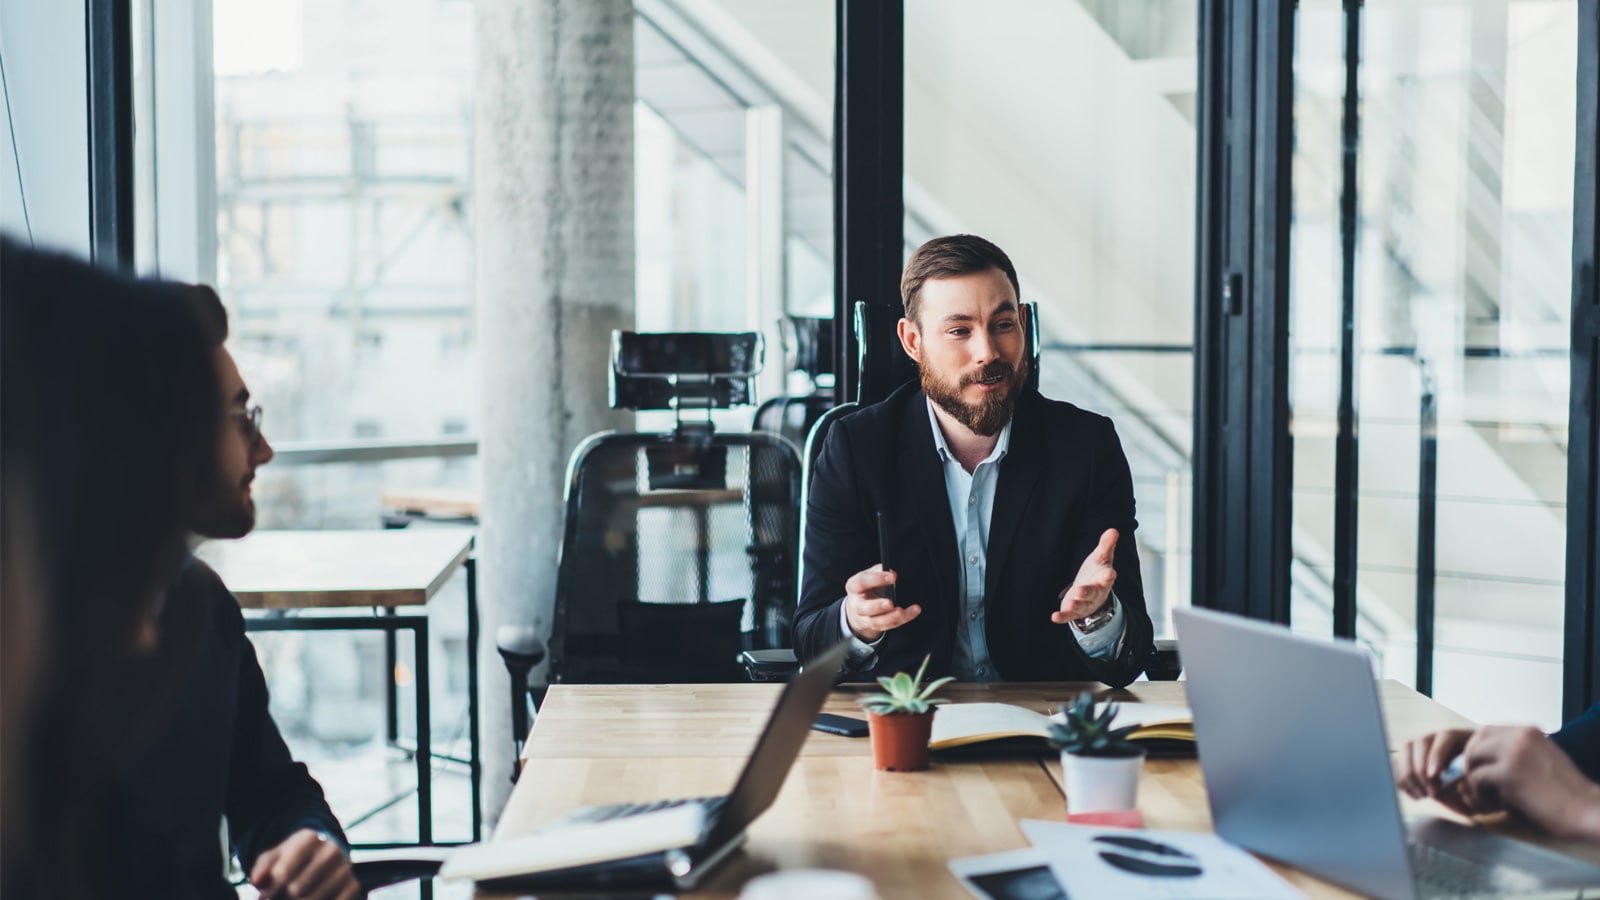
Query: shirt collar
[[1001, 447]]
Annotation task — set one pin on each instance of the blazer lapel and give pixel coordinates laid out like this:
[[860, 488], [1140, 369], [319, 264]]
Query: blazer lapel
[[1019, 472], [922, 483]]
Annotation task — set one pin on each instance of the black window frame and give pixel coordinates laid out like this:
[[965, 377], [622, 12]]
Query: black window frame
[[1581, 677]]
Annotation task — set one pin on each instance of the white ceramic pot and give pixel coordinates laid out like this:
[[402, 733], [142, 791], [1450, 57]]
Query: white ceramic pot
[[1101, 783], [808, 884]]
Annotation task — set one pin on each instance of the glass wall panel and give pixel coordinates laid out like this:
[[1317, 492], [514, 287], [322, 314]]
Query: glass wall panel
[[734, 195], [1314, 309], [1065, 133], [1462, 283], [344, 237]]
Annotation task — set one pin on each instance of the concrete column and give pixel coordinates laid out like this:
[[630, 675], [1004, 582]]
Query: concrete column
[[555, 274]]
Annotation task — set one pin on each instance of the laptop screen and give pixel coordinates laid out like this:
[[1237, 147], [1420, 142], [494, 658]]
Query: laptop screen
[[1293, 751], [780, 743]]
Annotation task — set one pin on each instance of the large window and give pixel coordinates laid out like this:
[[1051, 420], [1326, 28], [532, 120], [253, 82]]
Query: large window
[[1065, 133], [344, 237], [733, 196], [314, 161], [1461, 322]]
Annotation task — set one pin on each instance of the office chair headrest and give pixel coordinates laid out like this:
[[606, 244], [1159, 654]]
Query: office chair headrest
[[808, 344], [881, 361], [684, 370]]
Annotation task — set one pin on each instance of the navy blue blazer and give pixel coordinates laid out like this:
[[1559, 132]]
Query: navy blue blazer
[[221, 754], [1581, 739], [1064, 481]]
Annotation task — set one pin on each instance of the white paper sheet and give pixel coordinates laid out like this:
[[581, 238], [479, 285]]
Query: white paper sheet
[[1121, 864]]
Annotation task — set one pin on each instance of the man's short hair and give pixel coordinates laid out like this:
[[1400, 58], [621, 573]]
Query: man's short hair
[[209, 311], [949, 257]]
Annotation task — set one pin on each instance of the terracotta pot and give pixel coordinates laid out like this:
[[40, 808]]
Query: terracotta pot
[[900, 740]]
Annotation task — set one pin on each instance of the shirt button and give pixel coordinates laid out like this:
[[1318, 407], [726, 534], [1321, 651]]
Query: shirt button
[[982, 670], [973, 500], [972, 616], [972, 560]]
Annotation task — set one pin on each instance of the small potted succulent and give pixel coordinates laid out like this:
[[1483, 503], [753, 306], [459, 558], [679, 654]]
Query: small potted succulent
[[1100, 764], [901, 720]]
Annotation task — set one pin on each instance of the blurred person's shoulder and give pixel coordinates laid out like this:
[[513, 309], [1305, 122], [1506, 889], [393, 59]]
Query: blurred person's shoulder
[[199, 586]]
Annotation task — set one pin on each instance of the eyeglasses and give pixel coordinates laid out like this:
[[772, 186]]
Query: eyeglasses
[[249, 422]]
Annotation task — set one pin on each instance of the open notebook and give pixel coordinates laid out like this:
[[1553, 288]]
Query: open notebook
[[1163, 730], [577, 845]]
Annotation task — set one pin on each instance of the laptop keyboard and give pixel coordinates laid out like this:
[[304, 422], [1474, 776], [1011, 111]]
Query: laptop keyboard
[[712, 805], [1440, 873]]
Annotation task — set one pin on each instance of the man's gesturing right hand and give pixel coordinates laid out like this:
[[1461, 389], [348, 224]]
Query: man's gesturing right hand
[[867, 611]]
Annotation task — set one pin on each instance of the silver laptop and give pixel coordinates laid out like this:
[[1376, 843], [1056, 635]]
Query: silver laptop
[[1296, 763], [726, 817]]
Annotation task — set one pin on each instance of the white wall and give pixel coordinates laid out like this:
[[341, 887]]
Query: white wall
[[42, 46]]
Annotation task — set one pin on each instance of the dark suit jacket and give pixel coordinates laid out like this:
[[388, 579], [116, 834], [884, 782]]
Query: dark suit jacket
[[1581, 739], [221, 753], [1064, 481]]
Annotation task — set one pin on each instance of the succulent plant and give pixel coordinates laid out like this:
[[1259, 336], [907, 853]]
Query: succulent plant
[[1080, 731], [905, 694]]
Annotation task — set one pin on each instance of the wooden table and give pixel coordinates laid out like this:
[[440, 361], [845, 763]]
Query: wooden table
[[401, 507], [445, 503], [323, 569], [607, 743], [384, 571]]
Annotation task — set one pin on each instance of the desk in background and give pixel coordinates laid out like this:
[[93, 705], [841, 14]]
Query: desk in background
[[382, 570], [401, 507], [608, 743]]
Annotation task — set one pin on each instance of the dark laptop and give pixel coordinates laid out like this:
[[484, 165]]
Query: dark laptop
[[1296, 765], [726, 817]]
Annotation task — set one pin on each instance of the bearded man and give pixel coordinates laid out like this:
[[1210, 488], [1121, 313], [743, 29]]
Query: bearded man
[[1006, 519]]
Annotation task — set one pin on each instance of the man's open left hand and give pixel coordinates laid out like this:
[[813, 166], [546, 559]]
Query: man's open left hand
[[306, 866], [1092, 588]]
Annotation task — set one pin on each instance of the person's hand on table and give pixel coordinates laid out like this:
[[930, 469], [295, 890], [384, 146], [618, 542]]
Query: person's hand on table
[[1420, 762], [306, 866], [869, 613], [1521, 769], [1092, 588], [1506, 769]]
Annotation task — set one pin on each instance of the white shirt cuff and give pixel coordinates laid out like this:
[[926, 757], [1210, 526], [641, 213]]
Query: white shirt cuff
[[860, 651], [1105, 642]]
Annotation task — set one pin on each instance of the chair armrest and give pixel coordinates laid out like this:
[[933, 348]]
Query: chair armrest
[[1164, 664], [520, 646], [769, 665], [380, 868]]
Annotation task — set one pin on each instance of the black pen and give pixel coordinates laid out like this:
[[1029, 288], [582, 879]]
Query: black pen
[[883, 554]]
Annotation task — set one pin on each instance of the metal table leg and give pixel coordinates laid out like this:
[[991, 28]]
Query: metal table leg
[[390, 623], [474, 752], [424, 753], [391, 691]]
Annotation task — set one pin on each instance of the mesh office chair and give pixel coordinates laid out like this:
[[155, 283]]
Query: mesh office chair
[[676, 543], [808, 349]]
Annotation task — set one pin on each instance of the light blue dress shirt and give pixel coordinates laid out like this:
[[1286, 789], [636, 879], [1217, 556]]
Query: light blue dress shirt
[[971, 497]]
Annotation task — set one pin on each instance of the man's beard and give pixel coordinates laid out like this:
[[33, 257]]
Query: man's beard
[[989, 415], [226, 515]]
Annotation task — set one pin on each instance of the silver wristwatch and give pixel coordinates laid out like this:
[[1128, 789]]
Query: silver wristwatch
[[1096, 620]]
